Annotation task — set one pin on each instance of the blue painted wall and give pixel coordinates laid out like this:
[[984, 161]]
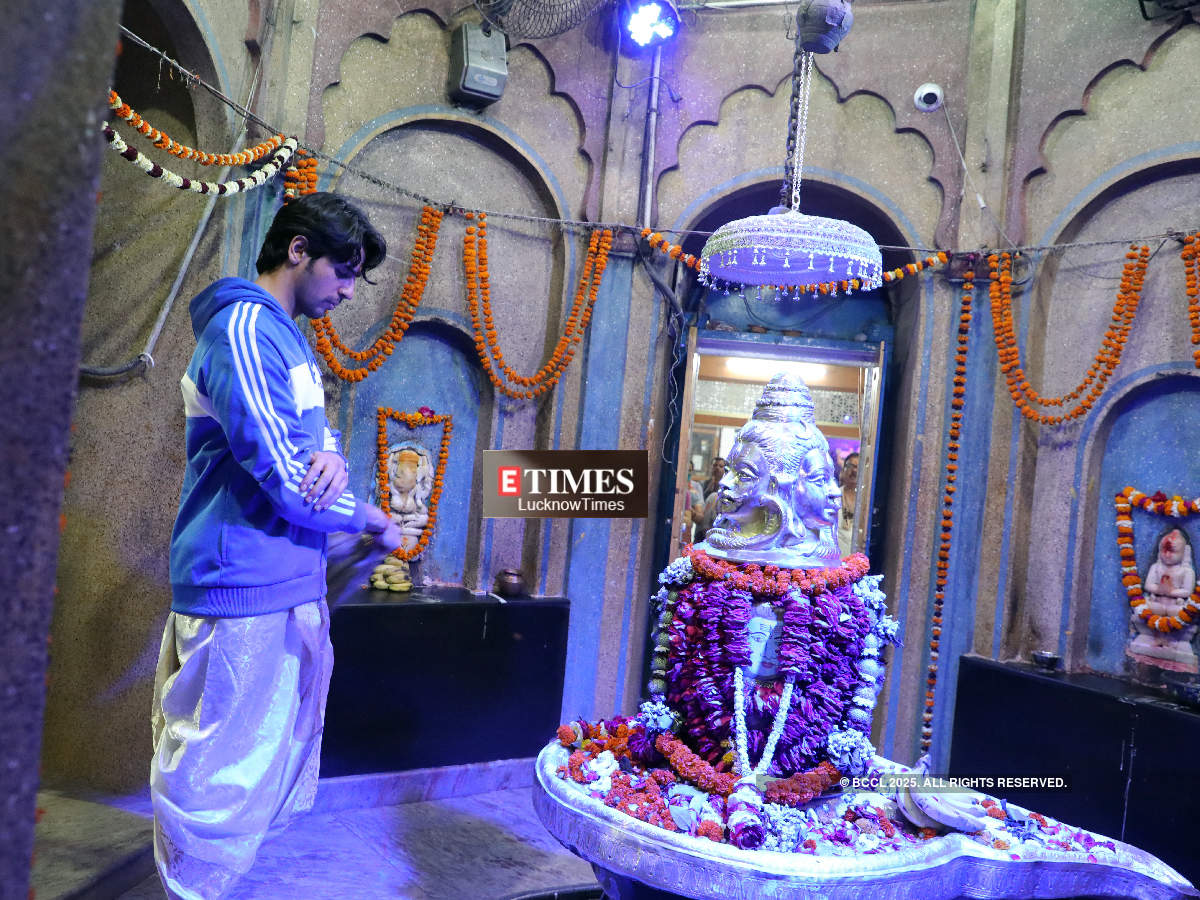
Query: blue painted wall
[[599, 429], [970, 508], [428, 368], [1152, 446]]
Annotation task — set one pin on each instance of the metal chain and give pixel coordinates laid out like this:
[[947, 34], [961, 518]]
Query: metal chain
[[801, 128], [785, 190]]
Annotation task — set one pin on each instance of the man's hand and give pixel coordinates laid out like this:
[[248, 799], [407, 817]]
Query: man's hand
[[325, 479], [391, 538], [380, 526]]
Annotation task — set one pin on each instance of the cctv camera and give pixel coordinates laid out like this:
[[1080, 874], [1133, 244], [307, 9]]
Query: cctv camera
[[928, 97]]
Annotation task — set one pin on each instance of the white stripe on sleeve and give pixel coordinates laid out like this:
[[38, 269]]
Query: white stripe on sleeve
[[250, 380]]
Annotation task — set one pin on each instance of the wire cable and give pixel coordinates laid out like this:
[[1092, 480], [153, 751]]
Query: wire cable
[[967, 174], [248, 116]]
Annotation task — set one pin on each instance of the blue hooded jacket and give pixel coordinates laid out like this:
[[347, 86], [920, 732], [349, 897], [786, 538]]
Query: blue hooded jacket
[[245, 543]]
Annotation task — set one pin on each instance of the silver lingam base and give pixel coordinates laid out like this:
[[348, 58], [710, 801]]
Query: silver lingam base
[[634, 859]]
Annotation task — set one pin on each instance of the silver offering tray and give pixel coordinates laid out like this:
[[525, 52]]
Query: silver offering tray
[[633, 859]]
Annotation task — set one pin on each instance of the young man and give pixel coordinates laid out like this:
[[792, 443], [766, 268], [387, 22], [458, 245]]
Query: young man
[[243, 672]]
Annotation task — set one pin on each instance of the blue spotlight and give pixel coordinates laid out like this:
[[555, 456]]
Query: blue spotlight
[[650, 22]]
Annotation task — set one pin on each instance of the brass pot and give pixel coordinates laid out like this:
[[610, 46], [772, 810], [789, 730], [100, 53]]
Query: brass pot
[[509, 583]]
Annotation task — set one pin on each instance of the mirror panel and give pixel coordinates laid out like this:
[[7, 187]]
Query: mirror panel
[[725, 377]]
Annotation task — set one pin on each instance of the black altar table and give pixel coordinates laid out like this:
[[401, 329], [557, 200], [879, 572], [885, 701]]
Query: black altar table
[[441, 676]]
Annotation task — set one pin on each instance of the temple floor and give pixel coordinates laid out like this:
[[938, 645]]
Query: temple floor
[[486, 845]]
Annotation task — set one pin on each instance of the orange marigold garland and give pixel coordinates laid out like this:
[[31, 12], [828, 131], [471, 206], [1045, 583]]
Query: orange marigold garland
[[413, 420], [675, 251], [900, 272], [300, 177], [692, 769], [483, 324], [163, 141], [1191, 265], [957, 401], [774, 580], [1162, 505], [1108, 357], [373, 357]]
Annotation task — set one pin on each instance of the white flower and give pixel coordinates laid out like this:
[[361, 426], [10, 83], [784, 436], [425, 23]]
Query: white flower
[[678, 572], [849, 750], [655, 715]]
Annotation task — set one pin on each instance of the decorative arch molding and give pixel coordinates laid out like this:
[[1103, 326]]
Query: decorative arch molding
[[1154, 165], [838, 179], [671, 159], [569, 81], [866, 64], [495, 138], [496, 135], [339, 24], [1057, 87], [1165, 162]]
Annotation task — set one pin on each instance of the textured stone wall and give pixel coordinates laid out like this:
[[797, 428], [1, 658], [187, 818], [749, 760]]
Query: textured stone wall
[[1098, 148], [50, 157], [1072, 127]]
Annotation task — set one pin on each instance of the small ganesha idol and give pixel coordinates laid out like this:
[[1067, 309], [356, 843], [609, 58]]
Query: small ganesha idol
[[748, 772]]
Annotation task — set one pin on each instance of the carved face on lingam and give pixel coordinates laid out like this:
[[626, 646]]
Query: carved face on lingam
[[762, 633], [779, 498]]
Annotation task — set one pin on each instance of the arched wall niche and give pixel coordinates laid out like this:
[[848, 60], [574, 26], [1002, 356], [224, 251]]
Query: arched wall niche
[[127, 257], [896, 313], [533, 270], [172, 26], [479, 167], [1144, 438], [1061, 317], [1132, 114], [434, 366]]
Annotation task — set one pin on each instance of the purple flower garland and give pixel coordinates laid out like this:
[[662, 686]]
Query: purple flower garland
[[821, 643]]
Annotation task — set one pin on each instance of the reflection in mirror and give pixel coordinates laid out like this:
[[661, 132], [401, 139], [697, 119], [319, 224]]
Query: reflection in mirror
[[726, 378]]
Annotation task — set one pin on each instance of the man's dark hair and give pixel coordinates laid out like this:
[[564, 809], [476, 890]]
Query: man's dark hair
[[332, 226]]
